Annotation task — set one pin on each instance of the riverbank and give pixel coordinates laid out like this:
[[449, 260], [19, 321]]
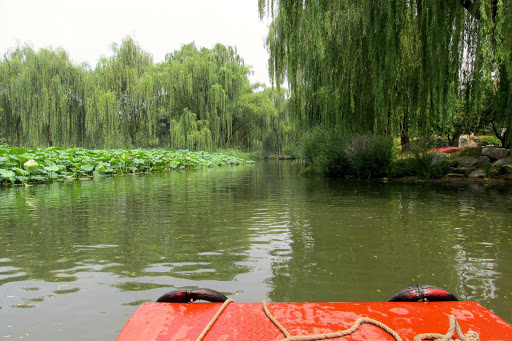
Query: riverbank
[[453, 164], [450, 181], [37, 165]]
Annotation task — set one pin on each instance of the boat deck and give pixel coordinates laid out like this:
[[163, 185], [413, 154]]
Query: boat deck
[[248, 321]]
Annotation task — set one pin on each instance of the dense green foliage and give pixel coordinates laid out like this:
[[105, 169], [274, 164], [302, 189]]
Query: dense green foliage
[[489, 141], [336, 153], [322, 152], [394, 67], [36, 165], [198, 99], [422, 165]]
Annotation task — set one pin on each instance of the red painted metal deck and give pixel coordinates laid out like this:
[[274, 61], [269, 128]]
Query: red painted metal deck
[[247, 321]]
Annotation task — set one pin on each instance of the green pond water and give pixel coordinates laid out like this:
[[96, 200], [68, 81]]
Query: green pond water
[[78, 258]]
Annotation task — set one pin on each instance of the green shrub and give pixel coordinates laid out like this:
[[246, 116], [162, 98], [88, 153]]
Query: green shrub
[[490, 140], [323, 152], [489, 170], [431, 165], [423, 165], [256, 156], [331, 153], [369, 156], [291, 151], [403, 167], [311, 142], [474, 152]]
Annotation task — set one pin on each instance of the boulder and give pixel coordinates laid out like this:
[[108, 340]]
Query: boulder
[[468, 141], [503, 162], [466, 161], [438, 158], [477, 173], [506, 169], [455, 176], [483, 160], [495, 153]]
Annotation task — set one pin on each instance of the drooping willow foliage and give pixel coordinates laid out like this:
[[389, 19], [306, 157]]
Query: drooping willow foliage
[[198, 99], [393, 66], [205, 94], [127, 80], [41, 95]]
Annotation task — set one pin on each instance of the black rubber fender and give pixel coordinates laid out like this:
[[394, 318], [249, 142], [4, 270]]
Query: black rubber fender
[[186, 296], [423, 293]]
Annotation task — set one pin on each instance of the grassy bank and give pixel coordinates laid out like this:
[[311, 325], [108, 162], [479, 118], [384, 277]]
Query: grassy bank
[[36, 165]]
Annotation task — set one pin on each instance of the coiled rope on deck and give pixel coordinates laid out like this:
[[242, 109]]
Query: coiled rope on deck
[[325, 336], [454, 327]]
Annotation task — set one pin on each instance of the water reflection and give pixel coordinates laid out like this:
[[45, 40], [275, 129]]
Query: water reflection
[[103, 247], [366, 246]]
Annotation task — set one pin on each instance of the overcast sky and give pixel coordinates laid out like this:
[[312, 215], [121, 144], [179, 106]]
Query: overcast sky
[[86, 29]]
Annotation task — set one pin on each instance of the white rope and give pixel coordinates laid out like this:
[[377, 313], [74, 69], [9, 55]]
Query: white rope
[[214, 318]]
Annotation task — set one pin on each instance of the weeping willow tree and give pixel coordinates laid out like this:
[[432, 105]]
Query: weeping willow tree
[[252, 117], [281, 135], [207, 100], [495, 53], [42, 96], [190, 133], [195, 99], [390, 66], [122, 100]]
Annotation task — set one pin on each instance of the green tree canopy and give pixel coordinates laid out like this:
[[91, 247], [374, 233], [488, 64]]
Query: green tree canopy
[[127, 78], [42, 96], [195, 99], [390, 66]]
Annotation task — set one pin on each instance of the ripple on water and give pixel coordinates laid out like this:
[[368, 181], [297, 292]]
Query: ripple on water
[[97, 249]]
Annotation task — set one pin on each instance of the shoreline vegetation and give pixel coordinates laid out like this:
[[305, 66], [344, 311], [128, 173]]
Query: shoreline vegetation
[[358, 89], [354, 157], [341, 154], [27, 166], [197, 99]]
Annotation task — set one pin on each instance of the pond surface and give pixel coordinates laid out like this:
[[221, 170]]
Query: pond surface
[[78, 258]]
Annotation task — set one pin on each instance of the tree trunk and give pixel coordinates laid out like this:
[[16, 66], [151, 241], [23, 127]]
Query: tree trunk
[[404, 132], [18, 133], [404, 139], [506, 139]]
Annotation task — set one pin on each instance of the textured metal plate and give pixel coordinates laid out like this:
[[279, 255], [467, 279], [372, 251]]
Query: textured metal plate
[[247, 321]]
